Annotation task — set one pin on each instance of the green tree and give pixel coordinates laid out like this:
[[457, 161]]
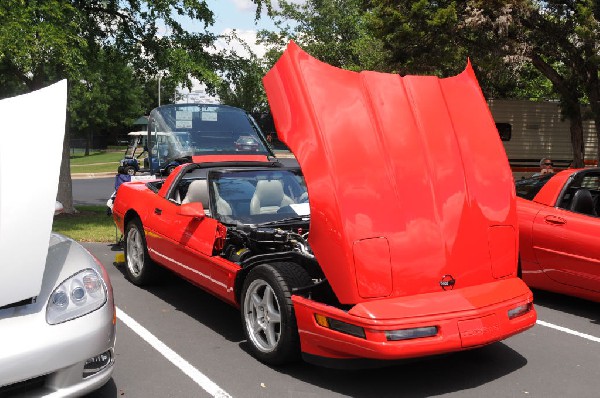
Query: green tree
[[334, 31], [559, 39], [241, 76], [94, 43]]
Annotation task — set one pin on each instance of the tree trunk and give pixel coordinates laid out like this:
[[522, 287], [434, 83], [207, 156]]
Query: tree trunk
[[576, 128], [65, 184], [570, 106], [593, 91]]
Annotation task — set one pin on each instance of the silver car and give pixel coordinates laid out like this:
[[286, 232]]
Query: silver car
[[57, 313]]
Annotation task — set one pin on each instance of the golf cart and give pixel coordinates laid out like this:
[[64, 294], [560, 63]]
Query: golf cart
[[169, 150], [137, 144]]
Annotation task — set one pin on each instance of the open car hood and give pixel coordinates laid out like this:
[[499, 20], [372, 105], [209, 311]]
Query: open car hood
[[410, 189], [33, 127]]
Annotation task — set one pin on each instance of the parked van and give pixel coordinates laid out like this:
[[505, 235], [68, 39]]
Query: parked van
[[533, 130]]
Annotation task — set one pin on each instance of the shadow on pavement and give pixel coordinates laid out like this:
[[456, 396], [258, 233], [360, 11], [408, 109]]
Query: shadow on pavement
[[570, 305]]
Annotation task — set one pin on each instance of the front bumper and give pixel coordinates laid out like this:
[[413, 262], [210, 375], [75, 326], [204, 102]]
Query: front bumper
[[465, 318], [44, 359]]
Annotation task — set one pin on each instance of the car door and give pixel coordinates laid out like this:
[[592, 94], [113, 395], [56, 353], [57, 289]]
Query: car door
[[566, 245], [186, 245]]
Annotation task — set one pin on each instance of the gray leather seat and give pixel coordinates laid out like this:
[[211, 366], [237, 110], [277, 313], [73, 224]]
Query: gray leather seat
[[197, 192], [268, 197], [583, 202]]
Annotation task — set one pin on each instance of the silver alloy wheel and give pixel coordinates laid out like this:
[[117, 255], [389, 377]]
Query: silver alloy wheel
[[262, 315], [135, 252]]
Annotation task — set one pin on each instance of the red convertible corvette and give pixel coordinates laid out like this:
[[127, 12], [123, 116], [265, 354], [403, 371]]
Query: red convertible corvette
[[407, 247], [559, 228]]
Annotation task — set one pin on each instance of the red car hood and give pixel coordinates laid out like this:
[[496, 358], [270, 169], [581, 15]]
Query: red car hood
[[410, 188]]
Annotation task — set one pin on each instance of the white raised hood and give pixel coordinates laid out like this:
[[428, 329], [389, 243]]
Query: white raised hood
[[32, 129]]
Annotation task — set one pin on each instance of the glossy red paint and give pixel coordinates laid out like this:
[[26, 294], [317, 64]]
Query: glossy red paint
[[413, 215], [465, 319], [413, 160], [229, 158], [179, 242], [559, 248]]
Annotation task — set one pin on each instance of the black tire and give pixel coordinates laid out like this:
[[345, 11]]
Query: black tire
[[130, 170], [169, 170], [139, 268], [272, 333]]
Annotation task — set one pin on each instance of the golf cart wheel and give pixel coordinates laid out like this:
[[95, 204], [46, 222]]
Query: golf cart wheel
[[169, 170], [130, 170], [268, 314], [139, 268]]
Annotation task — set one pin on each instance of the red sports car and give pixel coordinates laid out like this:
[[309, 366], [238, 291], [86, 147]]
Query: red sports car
[[559, 229], [407, 247]]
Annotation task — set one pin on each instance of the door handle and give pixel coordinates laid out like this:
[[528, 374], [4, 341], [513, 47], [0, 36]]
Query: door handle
[[157, 211], [554, 220]]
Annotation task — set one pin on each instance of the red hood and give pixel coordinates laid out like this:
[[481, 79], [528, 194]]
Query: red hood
[[407, 177]]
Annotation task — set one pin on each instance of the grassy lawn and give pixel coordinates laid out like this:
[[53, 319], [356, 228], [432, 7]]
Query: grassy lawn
[[91, 224], [97, 162]]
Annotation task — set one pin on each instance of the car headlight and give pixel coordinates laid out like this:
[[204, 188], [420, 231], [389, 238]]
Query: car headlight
[[78, 295]]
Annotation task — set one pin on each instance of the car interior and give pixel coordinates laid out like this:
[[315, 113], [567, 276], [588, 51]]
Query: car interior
[[241, 196], [582, 195]]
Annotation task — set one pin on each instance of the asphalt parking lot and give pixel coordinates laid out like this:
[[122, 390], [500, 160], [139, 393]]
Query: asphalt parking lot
[[175, 340]]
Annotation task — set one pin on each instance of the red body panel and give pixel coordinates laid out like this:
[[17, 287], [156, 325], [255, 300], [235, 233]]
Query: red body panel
[[409, 189], [182, 244], [413, 160], [559, 248], [466, 318], [229, 158]]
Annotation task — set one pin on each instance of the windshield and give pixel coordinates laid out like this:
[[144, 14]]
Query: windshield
[[259, 196], [208, 129]]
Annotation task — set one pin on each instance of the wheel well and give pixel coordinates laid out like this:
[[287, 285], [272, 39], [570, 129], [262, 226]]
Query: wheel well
[[318, 288], [243, 273], [130, 215]]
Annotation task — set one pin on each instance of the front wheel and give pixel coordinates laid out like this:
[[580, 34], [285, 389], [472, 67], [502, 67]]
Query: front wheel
[[268, 314], [139, 268], [130, 170]]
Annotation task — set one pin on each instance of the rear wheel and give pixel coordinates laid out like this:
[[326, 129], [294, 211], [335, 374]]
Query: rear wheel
[[268, 314], [139, 268]]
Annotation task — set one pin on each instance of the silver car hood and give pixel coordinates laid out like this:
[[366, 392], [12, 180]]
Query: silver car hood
[[32, 133]]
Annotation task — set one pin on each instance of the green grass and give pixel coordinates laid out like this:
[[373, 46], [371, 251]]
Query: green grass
[[91, 224], [96, 157], [97, 162]]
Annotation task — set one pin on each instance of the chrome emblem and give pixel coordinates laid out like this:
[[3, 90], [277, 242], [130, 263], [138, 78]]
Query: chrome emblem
[[447, 282]]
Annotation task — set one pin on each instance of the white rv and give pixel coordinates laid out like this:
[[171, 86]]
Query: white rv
[[532, 130]]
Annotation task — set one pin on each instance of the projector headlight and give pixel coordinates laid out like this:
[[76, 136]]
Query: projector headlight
[[80, 294]]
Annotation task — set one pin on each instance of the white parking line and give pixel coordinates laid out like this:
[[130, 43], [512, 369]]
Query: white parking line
[[198, 377], [569, 331]]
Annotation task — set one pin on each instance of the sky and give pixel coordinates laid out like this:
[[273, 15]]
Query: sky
[[238, 15], [229, 15]]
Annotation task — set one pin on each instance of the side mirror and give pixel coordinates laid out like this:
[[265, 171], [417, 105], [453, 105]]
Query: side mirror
[[194, 210]]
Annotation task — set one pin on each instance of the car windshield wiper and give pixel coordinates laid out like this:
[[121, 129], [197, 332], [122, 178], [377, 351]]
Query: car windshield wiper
[[285, 220]]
